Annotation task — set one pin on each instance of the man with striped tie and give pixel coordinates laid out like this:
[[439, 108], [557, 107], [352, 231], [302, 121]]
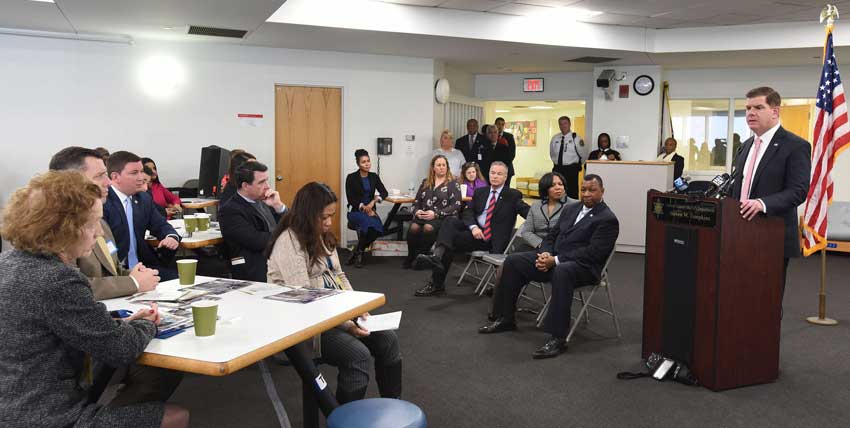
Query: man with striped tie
[[572, 255], [487, 225]]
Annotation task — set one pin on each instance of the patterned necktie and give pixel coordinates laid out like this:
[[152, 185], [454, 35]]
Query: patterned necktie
[[561, 152], [132, 255], [491, 206], [748, 174]]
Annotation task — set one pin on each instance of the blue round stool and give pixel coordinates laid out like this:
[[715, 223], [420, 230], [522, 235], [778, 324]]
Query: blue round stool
[[377, 413]]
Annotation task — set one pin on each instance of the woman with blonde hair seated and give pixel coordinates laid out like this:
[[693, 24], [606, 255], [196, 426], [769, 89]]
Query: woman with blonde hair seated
[[302, 253], [438, 197], [52, 327]]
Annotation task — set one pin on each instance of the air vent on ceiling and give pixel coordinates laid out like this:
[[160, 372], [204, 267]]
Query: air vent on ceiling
[[217, 32], [591, 59]]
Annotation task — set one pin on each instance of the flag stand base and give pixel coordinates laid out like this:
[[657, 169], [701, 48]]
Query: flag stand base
[[821, 321]]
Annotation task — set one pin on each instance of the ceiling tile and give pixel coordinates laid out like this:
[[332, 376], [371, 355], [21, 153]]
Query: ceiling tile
[[520, 9], [733, 19], [636, 7], [475, 5], [656, 22], [549, 3], [429, 3], [613, 18]]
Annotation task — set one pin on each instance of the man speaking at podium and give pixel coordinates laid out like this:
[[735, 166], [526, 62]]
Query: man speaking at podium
[[774, 167]]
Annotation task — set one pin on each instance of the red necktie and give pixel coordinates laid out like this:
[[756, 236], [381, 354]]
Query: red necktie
[[490, 207]]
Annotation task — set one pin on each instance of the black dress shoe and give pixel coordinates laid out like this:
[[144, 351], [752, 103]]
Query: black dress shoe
[[353, 257], [424, 261], [552, 348], [430, 290], [501, 324], [358, 260]]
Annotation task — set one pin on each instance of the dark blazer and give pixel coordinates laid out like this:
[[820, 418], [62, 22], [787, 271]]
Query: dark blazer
[[588, 242], [781, 181], [502, 153], [596, 154], [471, 155], [246, 235], [145, 217], [106, 282], [678, 165], [509, 205], [50, 322], [354, 188]]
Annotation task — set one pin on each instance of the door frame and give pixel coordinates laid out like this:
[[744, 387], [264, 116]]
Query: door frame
[[343, 130]]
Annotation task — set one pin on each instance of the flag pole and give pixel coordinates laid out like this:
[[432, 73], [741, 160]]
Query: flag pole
[[830, 14]]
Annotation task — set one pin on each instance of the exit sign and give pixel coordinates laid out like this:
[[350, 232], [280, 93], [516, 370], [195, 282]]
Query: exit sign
[[532, 85]]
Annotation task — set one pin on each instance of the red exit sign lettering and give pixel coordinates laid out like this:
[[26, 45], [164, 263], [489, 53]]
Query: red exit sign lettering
[[532, 85]]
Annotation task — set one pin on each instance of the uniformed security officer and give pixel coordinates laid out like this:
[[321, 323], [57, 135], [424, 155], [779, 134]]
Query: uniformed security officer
[[568, 153]]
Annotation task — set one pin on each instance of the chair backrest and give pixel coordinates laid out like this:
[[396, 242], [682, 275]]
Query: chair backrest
[[603, 278], [509, 248]]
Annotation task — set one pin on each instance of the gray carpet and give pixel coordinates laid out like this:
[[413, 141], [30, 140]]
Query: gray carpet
[[463, 379]]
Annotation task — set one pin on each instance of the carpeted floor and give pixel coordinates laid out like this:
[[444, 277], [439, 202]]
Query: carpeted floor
[[463, 379]]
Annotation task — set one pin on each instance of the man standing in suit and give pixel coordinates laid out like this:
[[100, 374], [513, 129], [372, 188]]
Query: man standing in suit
[[487, 225], [248, 219], [568, 153], [107, 277], [775, 168], [473, 144], [669, 155], [572, 255], [129, 212], [500, 127]]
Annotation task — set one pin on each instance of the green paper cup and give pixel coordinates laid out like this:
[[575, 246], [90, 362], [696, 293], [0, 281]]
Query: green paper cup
[[190, 223], [203, 221], [204, 314], [186, 269]]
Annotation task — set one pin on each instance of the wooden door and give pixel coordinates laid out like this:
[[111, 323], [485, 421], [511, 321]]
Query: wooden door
[[308, 141], [796, 119]]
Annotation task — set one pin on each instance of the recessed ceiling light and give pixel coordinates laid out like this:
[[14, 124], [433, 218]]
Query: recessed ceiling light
[[541, 107], [502, 111], [167, 28]]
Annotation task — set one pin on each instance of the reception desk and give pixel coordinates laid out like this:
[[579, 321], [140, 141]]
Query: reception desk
[[626, 184]]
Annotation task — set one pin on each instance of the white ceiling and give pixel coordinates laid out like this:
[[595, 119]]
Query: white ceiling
[[148, 19], [650, 13]]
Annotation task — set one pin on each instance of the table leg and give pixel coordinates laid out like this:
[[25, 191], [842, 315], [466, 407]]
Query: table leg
[[314, 388], [271, 391], [390, 216], [309, 406]]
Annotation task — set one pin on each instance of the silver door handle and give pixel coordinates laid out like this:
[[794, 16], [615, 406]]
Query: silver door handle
[[279, 178]]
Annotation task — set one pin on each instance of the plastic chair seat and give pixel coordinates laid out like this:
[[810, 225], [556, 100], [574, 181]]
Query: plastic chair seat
[[377, 413], [479, 253], [496, 259]]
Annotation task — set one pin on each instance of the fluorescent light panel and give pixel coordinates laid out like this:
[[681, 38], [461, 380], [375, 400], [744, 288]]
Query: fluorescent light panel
[[44, 1]]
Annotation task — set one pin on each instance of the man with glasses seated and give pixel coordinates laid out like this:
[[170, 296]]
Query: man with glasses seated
[[487, 225], [572, 255]]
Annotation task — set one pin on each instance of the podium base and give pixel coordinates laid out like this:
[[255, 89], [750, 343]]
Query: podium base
[[821, 321]]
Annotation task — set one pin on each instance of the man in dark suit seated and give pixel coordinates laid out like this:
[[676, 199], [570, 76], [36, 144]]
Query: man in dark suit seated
[[487, 225], [248, 219], [572, 255], [126, 200], [473, 145], [107, 277], [669, 154], [775, 168]]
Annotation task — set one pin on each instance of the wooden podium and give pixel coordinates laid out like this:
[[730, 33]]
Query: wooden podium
[[712, 289]]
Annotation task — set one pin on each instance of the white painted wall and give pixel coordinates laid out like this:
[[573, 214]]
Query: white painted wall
[[636, 117], [557, 86], [59, 92]]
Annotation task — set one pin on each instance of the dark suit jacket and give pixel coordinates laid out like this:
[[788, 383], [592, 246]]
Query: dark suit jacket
[[596, 154], [502, 153], [246, 235], [509, 205], [781, 181], [145, 217], [106, 282], [354, 188], [588, 242], [678, 165], [512, 152], [462, 144]]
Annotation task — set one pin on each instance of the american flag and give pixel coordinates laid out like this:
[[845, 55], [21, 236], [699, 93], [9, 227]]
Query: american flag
[[832, 135]]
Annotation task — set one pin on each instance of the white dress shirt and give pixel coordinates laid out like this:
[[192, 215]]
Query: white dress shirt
[[571, 146]]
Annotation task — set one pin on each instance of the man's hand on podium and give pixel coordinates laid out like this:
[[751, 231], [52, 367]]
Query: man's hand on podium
[[751, 207]]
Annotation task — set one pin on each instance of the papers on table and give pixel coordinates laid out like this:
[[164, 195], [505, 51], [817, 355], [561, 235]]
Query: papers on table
[[381, 322], [303, 295]]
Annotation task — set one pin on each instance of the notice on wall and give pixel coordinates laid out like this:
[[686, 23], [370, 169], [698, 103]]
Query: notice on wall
[[250, 120]]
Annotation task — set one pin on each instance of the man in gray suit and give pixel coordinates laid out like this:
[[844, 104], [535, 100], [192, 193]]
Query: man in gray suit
[[107, 277]]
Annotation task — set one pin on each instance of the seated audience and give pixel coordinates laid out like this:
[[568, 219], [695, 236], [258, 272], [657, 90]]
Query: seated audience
[[52, 327], [604, 152], [237, 158], [504, 147], [543, 214], [453, 155], [107, 277], [360, 188], [669, 154], [471, 176], [161, 195], [572, 255], [302, 252], [438, 198], [127, 201], [248, 219], [487, 225]]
